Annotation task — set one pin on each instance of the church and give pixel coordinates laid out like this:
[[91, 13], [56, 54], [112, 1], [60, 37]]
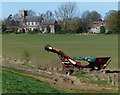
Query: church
[[30, 23]]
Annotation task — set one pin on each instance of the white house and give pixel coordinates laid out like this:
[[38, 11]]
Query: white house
[[95, 26]]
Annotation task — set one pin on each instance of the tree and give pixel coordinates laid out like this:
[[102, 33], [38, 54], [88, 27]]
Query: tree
[[109, 14], [31, 13], [102, 29], [12, 20], [48, 15], [88, 17], [66, 12], [85, 18], [16, 17], [8, 20], [10, 23], [75, 25], [4, 27], [94, 16], [57, 26], [112, 21]]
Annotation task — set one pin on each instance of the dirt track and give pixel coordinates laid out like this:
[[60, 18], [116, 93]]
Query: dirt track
[[60, 81]]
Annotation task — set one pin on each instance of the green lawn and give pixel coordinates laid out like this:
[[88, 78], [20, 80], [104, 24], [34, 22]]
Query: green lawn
[[73, 45], [15, 83]]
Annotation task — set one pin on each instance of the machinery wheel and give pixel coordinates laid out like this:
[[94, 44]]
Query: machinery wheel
[[68, 72], [103, 71], [97, 68]]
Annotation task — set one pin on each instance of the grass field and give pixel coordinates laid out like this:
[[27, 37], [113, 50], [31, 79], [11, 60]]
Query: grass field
[[73, 45], [93, 80], [15, 83]]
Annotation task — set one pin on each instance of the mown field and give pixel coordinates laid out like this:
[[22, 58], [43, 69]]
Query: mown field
[[74, 45]]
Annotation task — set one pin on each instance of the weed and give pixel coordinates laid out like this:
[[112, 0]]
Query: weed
[[26, 56]]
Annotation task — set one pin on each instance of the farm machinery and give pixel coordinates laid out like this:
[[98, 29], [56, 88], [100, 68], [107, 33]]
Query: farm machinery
[[70, 65]]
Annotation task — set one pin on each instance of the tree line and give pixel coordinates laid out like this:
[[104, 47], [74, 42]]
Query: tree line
[[69, 20]]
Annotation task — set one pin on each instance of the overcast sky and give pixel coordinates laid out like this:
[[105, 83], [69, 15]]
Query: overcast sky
[[42, 7]]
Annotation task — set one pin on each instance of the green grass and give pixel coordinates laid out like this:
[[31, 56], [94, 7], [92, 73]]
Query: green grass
[[98, 92], [73, 45], [22, 71], [81, 75], [15, 83], [92, 80]]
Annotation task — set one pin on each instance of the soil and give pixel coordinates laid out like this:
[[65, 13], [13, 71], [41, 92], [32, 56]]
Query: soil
[[60, 81], [56, 64]]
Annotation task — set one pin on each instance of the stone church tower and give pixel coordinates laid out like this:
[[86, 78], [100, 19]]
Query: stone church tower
[[23, 14]]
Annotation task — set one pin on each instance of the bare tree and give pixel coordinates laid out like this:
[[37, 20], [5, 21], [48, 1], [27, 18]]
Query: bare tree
[[65, 12], [109, 14], [48, 15], [16, 17], [85, 16], [31, 13], [9, 20], [86, 19]]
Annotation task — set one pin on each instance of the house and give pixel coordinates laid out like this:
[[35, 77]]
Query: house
[[30, 23], [94, 27]]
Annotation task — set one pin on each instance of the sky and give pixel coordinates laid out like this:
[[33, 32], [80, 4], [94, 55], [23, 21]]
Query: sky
[[42, 7]]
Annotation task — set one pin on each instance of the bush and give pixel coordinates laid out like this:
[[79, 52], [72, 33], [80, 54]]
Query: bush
[[15, 32], [26, 56], [102, 29], [31, 32], [34, 31], [61, 32]]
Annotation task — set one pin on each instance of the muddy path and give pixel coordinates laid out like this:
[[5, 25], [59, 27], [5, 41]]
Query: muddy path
[[30, 75], [60, 81]]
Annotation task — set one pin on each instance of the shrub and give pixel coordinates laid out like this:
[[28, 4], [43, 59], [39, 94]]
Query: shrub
[[102, 29], [61, 32], [26, 56], [34, 31], [31, 32]]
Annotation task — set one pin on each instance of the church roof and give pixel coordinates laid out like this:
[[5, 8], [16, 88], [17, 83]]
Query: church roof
[[48, 22], [33, 18]]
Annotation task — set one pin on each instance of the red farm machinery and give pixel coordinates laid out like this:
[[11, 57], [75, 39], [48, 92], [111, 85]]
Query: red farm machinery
[[70, 64]]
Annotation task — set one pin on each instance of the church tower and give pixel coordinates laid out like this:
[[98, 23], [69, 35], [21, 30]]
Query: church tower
[[22, 14]]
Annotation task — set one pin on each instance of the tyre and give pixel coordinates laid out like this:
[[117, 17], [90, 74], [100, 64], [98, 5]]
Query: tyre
[[67, 72]]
